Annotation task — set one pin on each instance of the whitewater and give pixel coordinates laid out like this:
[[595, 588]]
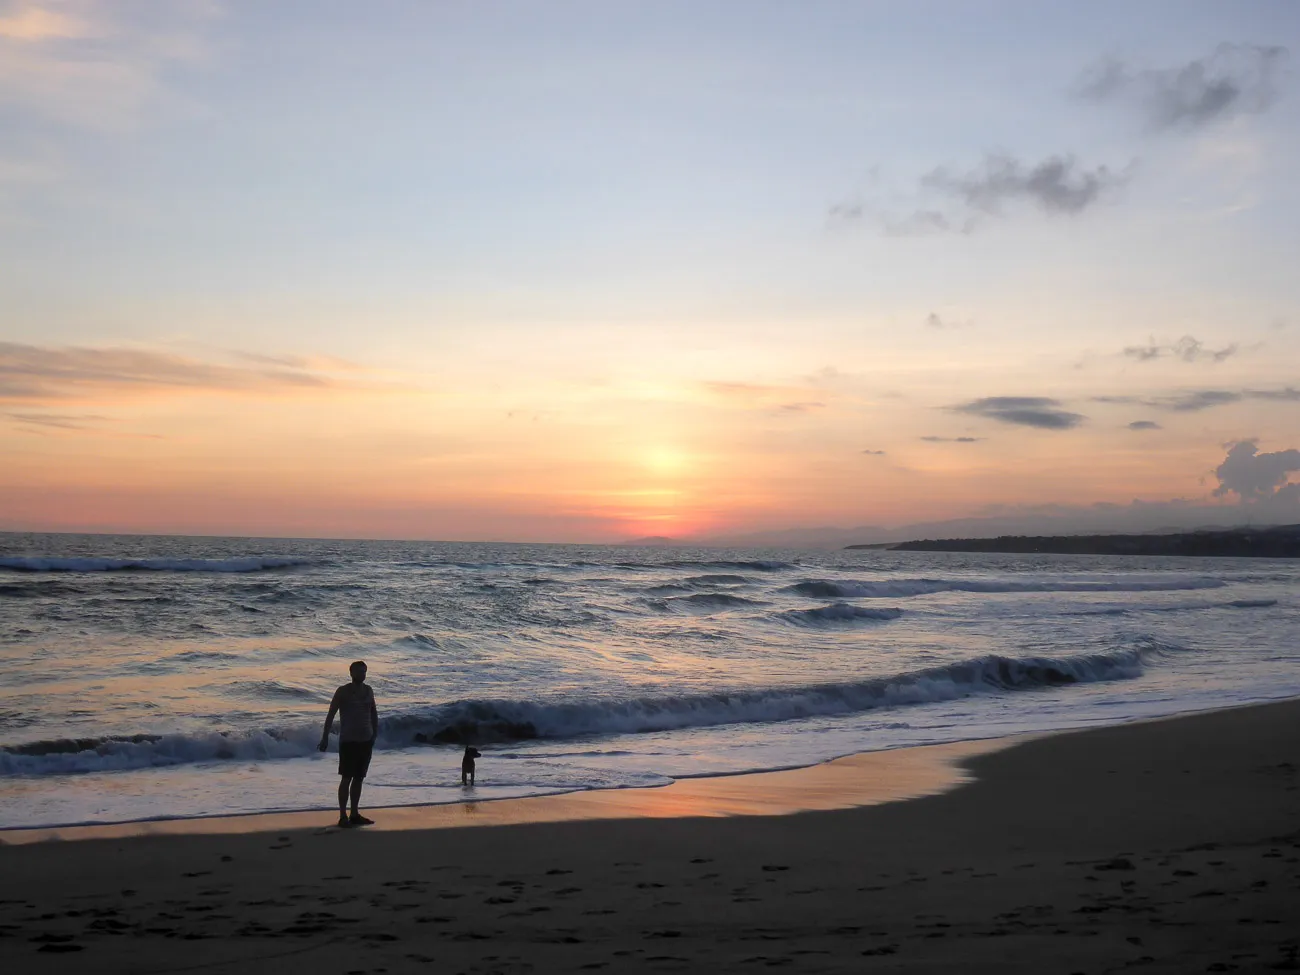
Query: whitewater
[[159, 677]]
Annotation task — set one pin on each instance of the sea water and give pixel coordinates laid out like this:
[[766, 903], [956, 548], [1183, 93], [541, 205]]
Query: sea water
[[155, 677]]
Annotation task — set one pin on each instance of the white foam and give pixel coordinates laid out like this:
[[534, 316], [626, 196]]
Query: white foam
[[249, 564], [480, 721]]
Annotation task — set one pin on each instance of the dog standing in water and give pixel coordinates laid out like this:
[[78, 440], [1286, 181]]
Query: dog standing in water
[[467, 765]]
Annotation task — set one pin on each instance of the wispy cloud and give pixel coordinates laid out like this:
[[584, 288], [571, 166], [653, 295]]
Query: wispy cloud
[[61, 421], [1232, 80], [933, 439], [1144, 425], [936, 321], [77, 424], [1187, 348], [32, 22], [1026, 411], [1057, 184], [31, 373], [875, 453], [763, 396], [94, 65], [1192, 401], [948, 200]]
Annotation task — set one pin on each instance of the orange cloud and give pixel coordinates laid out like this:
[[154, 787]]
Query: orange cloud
[[35, 23], [37, 374]]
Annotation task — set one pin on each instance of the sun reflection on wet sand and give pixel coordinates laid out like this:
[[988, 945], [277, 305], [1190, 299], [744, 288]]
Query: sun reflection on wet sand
[[866, 779]]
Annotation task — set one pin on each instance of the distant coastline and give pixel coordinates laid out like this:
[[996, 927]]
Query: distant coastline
[[1282, 542]]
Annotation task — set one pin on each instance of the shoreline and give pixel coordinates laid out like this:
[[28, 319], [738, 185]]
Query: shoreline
[[851, 781], [897, 775], [1171, 844]]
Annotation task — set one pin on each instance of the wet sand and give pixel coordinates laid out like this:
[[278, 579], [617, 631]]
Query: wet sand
[[1169, 846]]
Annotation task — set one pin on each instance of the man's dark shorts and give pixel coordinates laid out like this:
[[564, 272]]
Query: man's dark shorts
[[354, 758]]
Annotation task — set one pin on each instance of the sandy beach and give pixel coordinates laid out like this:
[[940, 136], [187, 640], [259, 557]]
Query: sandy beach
[[1168, 846]]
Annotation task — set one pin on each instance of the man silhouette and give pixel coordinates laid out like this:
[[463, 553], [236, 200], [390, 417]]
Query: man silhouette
[[358, 728]]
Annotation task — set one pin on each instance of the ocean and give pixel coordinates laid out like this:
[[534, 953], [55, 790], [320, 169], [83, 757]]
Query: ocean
[[152, 677]]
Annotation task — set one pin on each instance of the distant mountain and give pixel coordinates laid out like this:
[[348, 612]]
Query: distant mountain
[[1267, 543], [1138, 517], [652, 540]]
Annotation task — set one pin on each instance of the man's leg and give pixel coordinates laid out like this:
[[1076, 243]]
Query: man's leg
[[357, 783], [345, 781]]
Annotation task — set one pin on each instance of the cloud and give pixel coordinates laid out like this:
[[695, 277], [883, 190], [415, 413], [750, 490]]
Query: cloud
[[94, 65], [933, 439], [1144, 425], [763, 396], [62, 421], [1204, 399], [934, 320], [1232, 80], [1253, 476], [35, 23], [80, 424], [1201, 399], [875, 453], [1057, 184], [1187, 348], [950, 201], [1026, 411], [41, 373], [846, 210], [1287, 394]]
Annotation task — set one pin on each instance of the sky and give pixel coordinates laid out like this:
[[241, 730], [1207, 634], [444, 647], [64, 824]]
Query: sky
[[588, 271]]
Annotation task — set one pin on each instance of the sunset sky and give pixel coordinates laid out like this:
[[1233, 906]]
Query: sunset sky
[[584, 271]]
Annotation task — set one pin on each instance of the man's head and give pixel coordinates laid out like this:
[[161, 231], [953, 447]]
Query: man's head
[[358, 671]]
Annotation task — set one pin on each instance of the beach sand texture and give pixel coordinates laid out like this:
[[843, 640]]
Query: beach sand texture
[[1168, 846]]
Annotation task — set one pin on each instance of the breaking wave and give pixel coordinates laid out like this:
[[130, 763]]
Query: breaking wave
[[899, 588], [1178, 608], [488, 721], [756, 565], [249, 564], [705, 602], [839, 613]]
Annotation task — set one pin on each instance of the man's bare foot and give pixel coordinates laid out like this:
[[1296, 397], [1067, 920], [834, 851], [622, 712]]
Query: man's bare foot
[[343, 821], [356, 819]]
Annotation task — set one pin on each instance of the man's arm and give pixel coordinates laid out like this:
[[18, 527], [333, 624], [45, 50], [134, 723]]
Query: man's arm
[[329, 721], [374, 719]]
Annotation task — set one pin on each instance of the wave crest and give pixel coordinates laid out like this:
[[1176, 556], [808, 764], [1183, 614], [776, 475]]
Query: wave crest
[[487, 721], [247, 564], [840, 613]]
